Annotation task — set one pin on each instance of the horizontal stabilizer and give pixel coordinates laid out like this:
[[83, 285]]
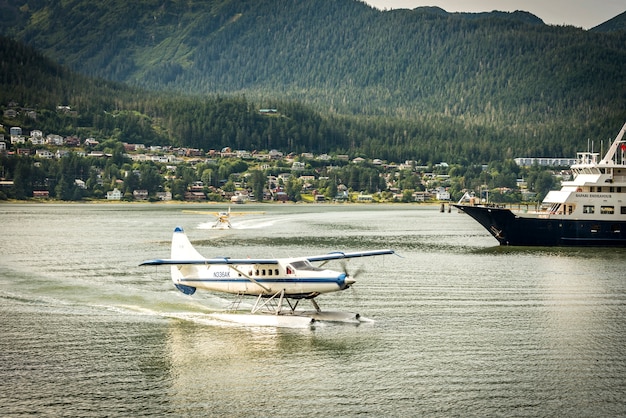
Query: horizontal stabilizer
[[209, 261]]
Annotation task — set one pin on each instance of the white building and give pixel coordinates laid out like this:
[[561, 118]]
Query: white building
[[115, 194]]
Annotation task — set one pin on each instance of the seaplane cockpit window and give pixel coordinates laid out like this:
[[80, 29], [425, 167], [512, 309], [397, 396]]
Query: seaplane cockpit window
[[305, 265]]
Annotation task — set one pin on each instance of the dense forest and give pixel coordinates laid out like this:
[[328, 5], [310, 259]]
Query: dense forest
[[423, 84], [108, 110], [343, 57]]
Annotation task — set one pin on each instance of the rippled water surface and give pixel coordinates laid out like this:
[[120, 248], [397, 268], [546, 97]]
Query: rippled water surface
[[461, 326]]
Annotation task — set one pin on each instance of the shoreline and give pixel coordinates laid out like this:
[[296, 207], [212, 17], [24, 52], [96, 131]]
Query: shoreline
[[211, 203]]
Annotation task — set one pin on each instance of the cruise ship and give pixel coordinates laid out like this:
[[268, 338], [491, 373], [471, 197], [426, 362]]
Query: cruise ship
[[589, 210]]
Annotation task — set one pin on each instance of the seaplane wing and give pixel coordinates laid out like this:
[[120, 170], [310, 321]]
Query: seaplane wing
[[341, 255], [282, 280], [242, 261]]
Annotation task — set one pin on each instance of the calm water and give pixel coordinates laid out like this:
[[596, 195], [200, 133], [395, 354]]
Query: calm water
[[461, 327]]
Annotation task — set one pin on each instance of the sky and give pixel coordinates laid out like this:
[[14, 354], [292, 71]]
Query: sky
[[580, 13]]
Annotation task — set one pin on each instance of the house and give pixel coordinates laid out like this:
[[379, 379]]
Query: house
[[275, 154], [442, 194], [140, 194], [41, 194], [116, 194], [420, 196], [281, 197], [165, 196], [72, 141], [54, 139], [43, 153], [195, 196]]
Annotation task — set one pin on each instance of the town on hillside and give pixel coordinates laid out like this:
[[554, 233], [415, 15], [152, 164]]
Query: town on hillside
[[38, 165]]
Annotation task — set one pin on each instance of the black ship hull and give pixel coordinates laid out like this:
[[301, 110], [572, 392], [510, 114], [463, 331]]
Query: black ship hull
[[516, 229]]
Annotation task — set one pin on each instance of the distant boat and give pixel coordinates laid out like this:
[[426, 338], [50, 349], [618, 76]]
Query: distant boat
[[589, 210]]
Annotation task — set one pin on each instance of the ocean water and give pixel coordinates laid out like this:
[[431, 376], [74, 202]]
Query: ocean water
[[460, 326]]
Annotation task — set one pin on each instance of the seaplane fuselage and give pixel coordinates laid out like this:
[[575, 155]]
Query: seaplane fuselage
[[297, 277]]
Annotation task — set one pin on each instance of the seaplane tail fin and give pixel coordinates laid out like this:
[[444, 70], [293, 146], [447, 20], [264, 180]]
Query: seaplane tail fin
[[183, 250]]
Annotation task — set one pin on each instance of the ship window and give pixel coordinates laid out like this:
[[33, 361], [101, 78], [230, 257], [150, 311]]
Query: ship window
[[595, 228], [588, 209], [607, 210], [612, 189], [622, 210], [616, 228]]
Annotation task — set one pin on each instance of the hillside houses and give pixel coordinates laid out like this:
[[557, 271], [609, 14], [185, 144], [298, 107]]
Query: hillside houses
[[287, 176]]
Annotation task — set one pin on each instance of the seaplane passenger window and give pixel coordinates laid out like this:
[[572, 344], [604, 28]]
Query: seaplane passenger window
[[256, 273], [288, 270], [588, 209], [269, 272], [263, 272], [275, 272]]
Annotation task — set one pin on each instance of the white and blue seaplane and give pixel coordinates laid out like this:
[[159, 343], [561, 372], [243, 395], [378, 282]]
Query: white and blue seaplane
[[278, 284]]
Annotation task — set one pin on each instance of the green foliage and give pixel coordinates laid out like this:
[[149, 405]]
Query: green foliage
[[419, 85], [343, 56]]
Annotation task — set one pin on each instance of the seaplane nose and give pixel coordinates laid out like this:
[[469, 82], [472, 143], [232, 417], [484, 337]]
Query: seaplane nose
[[345, 281]]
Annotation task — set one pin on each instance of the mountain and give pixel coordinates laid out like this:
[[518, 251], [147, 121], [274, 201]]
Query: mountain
[[341, 56], [618, 23]]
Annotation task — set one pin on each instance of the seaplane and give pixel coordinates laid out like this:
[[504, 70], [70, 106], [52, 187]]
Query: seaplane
[[222, 218], [279, 284]]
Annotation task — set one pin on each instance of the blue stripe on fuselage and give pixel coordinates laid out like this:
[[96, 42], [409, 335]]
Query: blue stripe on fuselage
[[338, 280]]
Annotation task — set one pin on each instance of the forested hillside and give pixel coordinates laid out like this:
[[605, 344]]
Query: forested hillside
[[107, 110], [418, 84], [341, 56]]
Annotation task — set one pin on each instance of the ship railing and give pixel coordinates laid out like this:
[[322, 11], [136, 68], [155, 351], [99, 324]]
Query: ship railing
[[515, 207]]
